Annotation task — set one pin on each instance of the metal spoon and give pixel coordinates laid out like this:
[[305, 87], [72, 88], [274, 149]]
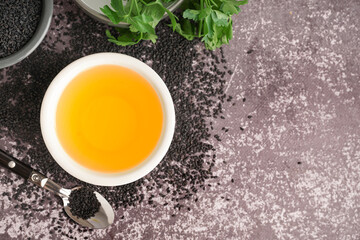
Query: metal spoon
[[102, 219]]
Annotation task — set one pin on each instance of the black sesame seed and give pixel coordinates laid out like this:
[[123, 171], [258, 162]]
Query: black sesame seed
[[83, 203], [18, 22], [217, 137], [198, 96]]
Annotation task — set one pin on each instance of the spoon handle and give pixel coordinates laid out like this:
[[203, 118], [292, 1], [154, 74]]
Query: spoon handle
[[31, 175], [15, 165]]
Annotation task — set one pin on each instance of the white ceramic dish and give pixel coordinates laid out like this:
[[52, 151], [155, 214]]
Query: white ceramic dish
[[48, 120], [92, 8]]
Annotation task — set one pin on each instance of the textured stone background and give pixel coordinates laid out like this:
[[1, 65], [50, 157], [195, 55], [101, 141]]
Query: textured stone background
[[288, 160]]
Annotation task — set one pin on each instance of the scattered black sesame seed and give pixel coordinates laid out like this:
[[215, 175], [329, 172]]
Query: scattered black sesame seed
[[250, 51], [241, 128], [198, 96], [299, 163], [249, 117], [83, 203], [217, 137], [244, 99]]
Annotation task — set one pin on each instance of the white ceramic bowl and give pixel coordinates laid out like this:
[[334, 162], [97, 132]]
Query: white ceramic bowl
[[92, 8], [48, 119]]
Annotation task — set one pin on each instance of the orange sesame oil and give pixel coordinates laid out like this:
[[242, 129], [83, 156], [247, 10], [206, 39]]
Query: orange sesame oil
[[109, 119]]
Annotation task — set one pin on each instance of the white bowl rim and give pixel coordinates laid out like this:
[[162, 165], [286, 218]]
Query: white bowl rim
[[48, 119], [99, 16]]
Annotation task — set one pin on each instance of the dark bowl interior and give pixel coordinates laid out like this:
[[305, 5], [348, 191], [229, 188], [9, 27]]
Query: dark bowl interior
[[34, 42]]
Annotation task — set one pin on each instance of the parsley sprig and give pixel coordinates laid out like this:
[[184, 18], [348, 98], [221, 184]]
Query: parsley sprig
[[209, 20]]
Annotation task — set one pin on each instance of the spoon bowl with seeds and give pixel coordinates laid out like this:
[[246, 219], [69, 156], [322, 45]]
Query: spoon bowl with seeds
[[84, 206]]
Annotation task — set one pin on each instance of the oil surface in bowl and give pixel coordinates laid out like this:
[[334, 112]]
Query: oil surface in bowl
[[109, 118]]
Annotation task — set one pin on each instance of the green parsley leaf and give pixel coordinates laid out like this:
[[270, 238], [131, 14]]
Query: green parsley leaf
[[209, 20]]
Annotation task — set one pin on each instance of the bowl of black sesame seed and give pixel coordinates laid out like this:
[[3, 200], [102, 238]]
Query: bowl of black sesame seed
[[23, 25]]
